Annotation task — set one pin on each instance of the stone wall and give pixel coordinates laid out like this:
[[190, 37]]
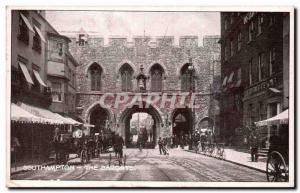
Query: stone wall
[[145, 51]]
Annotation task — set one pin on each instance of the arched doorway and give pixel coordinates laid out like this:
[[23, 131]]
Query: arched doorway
[[142, 127], [100, 118], [206, 124], [152, 129], [182, 125]]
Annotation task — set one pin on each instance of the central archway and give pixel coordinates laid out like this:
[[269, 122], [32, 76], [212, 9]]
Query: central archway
[[126, 116], [182, 121]]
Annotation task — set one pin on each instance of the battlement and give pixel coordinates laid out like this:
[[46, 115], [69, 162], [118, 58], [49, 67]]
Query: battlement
[[150, 41]]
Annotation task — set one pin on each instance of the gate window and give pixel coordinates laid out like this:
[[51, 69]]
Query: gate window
[[156, 78], [95, 76], [126, 77], [186, 78]]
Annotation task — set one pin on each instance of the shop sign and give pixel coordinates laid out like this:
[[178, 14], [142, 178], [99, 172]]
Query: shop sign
[[262, 86]]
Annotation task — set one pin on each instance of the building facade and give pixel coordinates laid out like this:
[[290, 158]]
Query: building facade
[[61, 74], [145, 67], [28, 80], [252, 68], [31, 38], [28, 53]]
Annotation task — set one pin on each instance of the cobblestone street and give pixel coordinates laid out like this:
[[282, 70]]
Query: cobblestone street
[[148, 165]]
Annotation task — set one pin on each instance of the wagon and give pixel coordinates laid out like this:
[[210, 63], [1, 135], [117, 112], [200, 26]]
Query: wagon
[[277, 167]]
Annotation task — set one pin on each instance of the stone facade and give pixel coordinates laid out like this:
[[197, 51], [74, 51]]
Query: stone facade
[[145, 51]]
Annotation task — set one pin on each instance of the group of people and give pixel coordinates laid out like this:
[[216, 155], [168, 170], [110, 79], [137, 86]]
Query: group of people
[[93, 145]]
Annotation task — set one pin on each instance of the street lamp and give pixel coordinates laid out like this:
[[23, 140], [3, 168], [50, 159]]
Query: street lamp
[[191, 70]]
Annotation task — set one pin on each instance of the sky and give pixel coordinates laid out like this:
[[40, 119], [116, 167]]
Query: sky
[[143, 116], [107, 23]]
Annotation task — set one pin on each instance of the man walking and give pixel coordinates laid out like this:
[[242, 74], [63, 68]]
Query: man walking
[[119, 143], [254, 143], [165, 149], [160, 146]]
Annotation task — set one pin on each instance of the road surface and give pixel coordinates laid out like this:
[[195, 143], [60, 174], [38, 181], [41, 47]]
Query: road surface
[[148, 165]]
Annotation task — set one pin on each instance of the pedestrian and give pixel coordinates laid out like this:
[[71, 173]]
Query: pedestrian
[[209, 138], [55, 143], [203, 140], [165, 143], [254, 143], [160, 146], [119, 143], [91, 147], [15, 145], [140, 142]]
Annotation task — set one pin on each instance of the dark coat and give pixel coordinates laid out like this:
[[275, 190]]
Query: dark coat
[[119, 142], [254, 141]]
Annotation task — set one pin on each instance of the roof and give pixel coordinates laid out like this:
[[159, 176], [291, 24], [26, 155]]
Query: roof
[[60, 36]]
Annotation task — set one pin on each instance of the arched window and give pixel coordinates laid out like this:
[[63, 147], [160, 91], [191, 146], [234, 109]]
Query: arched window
[[156, 78], [186, 78], [126, 77], [95, 76]]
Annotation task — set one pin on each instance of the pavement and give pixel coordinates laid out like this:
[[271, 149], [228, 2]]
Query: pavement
[[149, 165], [242, 158]]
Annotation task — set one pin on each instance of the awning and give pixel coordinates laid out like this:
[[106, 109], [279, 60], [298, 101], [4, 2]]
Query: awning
[[230, 77], [224, 81], [281, 118], [37, 76], [19, 114], [88, 125], [74, 122], [25, 72], [65, 120], [275, 90], [27, 22], [40, 34], [40, 112]]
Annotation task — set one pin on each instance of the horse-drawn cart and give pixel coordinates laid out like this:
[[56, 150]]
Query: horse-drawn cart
[[277, 167]]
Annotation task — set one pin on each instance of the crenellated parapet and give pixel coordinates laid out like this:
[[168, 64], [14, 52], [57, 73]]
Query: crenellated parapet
[[187, 42]]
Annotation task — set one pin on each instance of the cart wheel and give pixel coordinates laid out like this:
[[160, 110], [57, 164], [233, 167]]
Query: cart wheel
[[124, 160], [109, 161], [276, 168]]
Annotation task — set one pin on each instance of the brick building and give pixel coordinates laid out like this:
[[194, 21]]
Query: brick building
[[163, 67], [252, 71]]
